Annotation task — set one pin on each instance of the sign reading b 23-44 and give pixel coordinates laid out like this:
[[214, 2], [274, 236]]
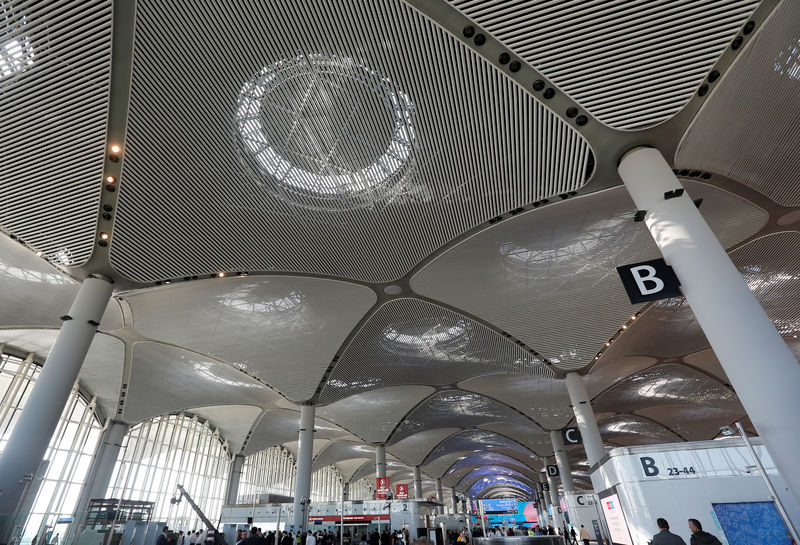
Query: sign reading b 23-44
[[651, 468]]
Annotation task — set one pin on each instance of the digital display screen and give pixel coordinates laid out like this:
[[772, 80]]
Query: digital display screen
[[514, 513], [615, 518]]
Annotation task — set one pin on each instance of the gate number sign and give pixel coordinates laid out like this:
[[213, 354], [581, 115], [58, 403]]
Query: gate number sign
[[649, 281]]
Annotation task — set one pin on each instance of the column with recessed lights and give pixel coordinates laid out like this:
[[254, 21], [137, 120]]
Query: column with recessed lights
[[564, 470], [439, 496], [544, 501], [305, 449], [417, 483], [558, 520], [454, 499], [760, 366], [38, 420], [585, 419]]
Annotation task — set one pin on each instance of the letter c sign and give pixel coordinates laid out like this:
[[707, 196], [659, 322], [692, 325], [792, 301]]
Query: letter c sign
[[571, 436], [649, 281]]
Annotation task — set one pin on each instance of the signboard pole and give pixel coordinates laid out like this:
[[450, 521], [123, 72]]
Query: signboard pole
[[775, 498]]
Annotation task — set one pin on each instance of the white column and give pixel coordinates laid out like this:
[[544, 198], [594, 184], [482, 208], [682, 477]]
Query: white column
[[346, 492], [417, 483], [759, 364], [558, 521], [565, 472], [98, 478], [234, 476], [380, 461], [584, 416], [545, 501], [454, 499], [35, 426], [305, 449], [439, 496]]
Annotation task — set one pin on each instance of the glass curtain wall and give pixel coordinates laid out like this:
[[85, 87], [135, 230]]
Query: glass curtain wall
[[68, 456], [159, 454], [326, 485], [274, 470], [269, 471], [362, 489]]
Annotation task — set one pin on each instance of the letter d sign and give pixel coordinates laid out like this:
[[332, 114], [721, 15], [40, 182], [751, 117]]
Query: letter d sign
[[649, 280]]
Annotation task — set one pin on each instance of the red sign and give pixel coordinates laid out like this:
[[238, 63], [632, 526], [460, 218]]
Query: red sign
[[350, 518], [382, 488], [402, 492]]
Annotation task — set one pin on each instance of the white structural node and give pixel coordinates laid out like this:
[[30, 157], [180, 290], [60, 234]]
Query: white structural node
[[305, 450], [28, 441], [759, 364]]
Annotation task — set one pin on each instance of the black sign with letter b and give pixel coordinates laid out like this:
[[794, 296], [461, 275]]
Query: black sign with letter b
[[649, 281]]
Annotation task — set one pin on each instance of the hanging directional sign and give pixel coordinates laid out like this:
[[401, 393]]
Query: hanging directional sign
[[552, 470], [571, 436], [649, 281]]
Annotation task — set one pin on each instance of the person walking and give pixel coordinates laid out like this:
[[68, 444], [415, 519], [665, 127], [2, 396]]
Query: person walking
[[573, 535], [665, 537], [699, 537], [584, 535]]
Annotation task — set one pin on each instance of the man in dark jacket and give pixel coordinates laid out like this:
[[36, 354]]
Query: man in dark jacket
[[162, 538], [665, 537], [699, 537]]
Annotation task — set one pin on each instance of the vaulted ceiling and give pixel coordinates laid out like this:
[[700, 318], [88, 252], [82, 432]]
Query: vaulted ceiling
[[404, 212]]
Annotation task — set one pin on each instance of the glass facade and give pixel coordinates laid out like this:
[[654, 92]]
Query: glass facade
[[68, 456], [159, 454], [274, 470]]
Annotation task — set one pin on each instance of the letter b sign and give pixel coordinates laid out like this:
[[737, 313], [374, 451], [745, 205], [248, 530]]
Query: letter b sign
[[649, 466], [649, 281]]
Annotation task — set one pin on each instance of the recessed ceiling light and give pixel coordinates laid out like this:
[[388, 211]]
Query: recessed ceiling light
[[104, 236], [41, 253], [220, 274], [608, 344], [110, 179], [115, 148]]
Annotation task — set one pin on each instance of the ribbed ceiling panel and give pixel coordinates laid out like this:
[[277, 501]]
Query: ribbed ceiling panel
[[256, 130], [626, 429], [667, 385], [55, 61], [771, 267], [408, 341], [631, 64], [454, 408], [749, 128], [548, 276]]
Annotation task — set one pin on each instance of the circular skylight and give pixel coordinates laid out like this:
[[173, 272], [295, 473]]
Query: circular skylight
[[325, 128]]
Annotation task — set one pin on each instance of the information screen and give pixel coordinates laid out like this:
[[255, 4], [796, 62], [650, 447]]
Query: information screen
[[615, 518]]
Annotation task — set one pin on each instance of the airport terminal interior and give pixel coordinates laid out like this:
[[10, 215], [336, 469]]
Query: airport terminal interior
[[399, 264]]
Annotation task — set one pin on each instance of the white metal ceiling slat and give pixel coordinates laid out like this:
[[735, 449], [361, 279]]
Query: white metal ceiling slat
[[53, 109], [749, 127], [577, 43], [476, 151]]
